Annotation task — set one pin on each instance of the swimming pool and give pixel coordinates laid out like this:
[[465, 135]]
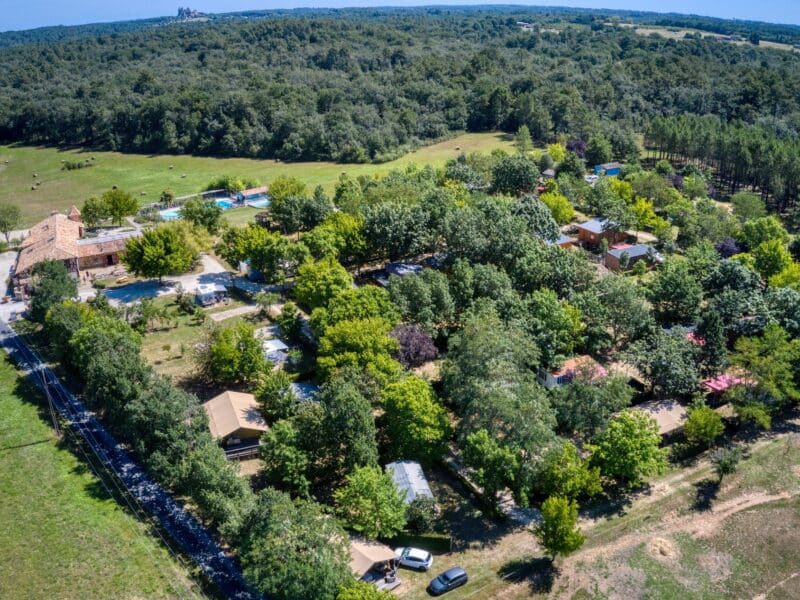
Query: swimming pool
[[170, 214], [223, 204], [259, 203]]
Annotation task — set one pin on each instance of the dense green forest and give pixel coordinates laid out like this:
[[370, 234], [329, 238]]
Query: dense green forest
[[365, 85]]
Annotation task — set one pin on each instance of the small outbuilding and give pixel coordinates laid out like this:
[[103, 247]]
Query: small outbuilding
[[611, 169], [563, 241], [375, 563], [592, 232], [235, 418], [398, 269], [409, 479], [620, 257], [208, 294], [669, 415], [570, 369]]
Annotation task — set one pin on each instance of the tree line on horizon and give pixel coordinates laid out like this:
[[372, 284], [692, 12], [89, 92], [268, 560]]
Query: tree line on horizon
[[370, 87]]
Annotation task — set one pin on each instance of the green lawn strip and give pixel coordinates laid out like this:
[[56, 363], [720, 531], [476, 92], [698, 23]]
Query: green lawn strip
[[61, 536], [151, 174]]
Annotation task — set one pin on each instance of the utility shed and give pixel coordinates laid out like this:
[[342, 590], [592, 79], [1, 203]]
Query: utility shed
[[234, 416], [409, 478], [591, 232], [615, 256]]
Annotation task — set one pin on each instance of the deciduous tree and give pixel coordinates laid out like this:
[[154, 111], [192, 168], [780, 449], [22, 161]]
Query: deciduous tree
[[291, 549], [50, 284], [203, 213], [675, 293], [318, 282], [703, 425], [630, 448], [416, 425], [558, 531], [168, 249], [514, 175], [232, 354], [362, 343], [370, 503], [120, 205], [10, 217]]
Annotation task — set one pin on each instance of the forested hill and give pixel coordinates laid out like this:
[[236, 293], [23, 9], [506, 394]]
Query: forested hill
[[314, 85]]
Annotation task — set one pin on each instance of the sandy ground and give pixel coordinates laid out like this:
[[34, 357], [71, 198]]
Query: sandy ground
[[212, 272]]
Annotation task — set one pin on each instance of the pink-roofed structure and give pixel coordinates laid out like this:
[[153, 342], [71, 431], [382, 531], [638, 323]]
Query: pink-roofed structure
[[695, 339], [570, 369], [722, 383]]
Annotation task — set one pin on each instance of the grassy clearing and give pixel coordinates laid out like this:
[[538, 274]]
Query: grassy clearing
[[664, 543], [137, 173], [61, 536], [170, 346], [679, 33]]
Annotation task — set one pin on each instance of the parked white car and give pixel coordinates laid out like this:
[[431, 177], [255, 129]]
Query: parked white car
[[414, 558]]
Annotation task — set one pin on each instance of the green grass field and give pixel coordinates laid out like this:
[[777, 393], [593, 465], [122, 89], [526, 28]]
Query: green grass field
[[170, 347], [137, 173], [668, 543], [61, 536]]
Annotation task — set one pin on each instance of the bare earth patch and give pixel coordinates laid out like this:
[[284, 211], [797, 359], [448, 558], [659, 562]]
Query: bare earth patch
[[717, 565], [577, 576], [662, 549]]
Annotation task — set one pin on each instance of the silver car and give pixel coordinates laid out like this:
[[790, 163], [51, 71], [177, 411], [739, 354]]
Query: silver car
[[414, 558]]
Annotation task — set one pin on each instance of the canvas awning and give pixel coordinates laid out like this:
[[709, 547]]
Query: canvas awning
[[364, 555]]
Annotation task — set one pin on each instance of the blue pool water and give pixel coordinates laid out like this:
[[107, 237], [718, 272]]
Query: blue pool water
[[171, 214], [259, 203], [223, 204]]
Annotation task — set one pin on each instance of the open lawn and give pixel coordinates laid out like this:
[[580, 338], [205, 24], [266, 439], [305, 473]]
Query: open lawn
[[137, 173], [61, 536], [684, 536], [170, 346]]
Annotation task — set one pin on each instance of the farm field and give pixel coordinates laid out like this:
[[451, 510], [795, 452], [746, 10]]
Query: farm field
[[678, 33], [61, 536], [137, 173], [682, 538]]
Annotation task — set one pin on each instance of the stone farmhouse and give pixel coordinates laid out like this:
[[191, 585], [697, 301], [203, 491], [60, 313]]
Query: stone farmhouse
[[61, 237]]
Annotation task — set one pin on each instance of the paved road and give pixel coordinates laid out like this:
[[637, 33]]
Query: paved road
[[193, 538]]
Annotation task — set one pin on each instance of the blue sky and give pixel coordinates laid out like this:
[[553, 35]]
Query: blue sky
[[26, 14]]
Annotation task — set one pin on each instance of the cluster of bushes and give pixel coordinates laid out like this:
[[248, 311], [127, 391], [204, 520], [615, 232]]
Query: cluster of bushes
[[72, 165]]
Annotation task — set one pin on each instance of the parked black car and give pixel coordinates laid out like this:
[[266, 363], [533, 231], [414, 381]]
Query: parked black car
[[449, 580]]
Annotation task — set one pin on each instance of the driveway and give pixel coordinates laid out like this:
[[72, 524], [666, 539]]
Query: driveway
[[9, 310], [212, 272]]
